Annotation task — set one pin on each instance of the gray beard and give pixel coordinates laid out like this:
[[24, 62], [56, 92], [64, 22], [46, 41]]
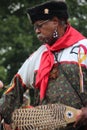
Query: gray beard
[[49, 40]]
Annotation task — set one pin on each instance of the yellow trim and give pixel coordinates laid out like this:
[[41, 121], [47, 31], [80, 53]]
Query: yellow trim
[[9, 89], [83, 58]]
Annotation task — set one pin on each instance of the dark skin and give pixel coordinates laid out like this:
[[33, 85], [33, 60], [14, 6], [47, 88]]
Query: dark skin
[[45, 34], [81, 118]]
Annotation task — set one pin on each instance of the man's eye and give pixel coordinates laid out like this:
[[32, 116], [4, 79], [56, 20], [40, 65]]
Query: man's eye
[[39, 26]]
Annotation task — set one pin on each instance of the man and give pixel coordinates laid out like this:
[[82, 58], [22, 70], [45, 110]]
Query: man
[[57, 70]]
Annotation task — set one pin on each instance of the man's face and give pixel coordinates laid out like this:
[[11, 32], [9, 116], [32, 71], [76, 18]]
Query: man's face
[[45, 30]]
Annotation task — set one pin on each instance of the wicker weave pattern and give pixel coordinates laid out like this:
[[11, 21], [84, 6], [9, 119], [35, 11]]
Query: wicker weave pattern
[[45, 117]]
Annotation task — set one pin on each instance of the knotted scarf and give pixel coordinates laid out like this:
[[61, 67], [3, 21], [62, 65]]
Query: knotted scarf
[[70, 37]]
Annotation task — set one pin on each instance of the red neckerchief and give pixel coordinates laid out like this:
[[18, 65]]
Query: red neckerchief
[[70, 37]]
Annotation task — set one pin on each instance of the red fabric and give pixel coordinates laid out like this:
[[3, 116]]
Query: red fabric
[[27, 107], [70, 37], [47, 62]]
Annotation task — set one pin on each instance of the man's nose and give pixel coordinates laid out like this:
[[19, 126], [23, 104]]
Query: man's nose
[[37, 30]]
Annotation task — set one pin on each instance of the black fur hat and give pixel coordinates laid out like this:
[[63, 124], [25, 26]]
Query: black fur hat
[[48, 10]]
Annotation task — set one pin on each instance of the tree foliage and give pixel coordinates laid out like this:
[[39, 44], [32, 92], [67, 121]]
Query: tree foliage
[[17, 38]]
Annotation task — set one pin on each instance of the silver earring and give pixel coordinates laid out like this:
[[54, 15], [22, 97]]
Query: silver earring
[[55, 34]]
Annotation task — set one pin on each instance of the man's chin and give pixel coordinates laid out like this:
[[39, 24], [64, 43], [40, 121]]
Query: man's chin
[[42, 40], [47, 41]]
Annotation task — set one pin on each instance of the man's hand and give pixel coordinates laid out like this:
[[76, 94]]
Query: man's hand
[[7, 126], [81, 118], [1, 84]]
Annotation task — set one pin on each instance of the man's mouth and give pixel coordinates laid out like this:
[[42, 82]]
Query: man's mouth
[[40, 37]]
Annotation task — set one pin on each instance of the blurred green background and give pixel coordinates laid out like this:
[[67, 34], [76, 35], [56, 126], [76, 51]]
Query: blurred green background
[[17, 38]]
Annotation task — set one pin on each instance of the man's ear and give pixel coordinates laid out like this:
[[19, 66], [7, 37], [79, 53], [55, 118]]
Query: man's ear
[[55, 20]]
